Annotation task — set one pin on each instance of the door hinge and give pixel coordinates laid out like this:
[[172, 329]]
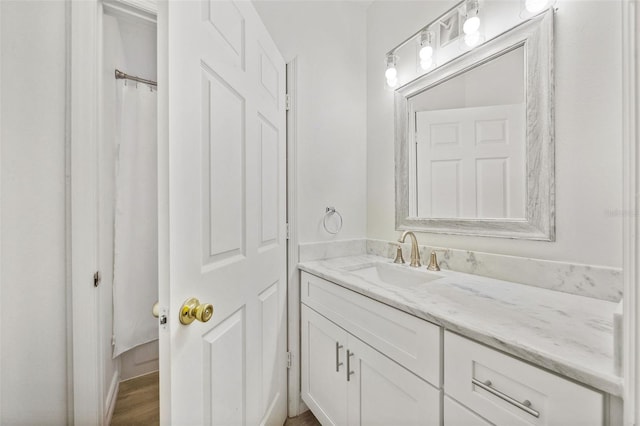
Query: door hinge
[[289, 360], [287, 102], [288, 232], [97, 277]]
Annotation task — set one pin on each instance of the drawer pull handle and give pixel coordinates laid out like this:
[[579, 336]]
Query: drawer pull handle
[[349, 372], [338, 363], [524, 406]]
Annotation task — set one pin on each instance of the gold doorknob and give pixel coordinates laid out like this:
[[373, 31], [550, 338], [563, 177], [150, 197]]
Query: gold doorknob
[[192, 310]]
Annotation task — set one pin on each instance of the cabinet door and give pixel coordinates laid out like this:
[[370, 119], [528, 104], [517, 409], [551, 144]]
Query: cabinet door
[[381, 392], [324, 383], [457, 415]]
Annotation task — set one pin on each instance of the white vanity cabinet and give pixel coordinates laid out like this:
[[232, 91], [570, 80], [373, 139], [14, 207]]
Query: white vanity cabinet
[[347, 381], [366, 363]]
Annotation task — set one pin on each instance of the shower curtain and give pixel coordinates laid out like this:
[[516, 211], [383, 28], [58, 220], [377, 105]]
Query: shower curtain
[[135, 268]]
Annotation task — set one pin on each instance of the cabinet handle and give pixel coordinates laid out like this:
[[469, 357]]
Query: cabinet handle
[[349, 372], [524, 405], [338, 363]]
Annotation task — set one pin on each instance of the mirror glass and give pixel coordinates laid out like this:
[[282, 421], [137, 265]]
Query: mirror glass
[[474, 142], [470, 143]]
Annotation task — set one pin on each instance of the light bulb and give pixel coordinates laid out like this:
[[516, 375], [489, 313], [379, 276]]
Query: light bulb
[[472, 39], [392, 82], [471, 25], [426, 52], [426, 63], [535, 6], [391, 73]]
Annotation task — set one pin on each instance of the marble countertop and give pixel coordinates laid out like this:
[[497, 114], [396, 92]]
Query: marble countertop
[[568, 334]]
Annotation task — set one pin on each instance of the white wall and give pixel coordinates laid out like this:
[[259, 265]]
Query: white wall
[[588, 132], [33, 364], [328, 38]]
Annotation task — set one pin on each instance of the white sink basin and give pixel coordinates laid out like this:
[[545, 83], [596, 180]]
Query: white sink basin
[[398, 275]]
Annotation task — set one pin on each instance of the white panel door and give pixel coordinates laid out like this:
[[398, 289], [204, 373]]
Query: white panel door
[[470, 162], [222, 185]]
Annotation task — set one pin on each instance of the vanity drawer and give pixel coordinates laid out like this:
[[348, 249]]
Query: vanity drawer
[[410, 341], [507, 391]]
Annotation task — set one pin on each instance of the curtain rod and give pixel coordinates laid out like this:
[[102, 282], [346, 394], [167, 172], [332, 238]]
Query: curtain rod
[[120, 76]]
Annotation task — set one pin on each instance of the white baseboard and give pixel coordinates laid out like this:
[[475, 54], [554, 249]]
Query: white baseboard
[[139, 361], [139, 375], [112, 397]]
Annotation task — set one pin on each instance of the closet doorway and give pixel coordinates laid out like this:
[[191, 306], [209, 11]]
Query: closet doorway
[[127, 255]]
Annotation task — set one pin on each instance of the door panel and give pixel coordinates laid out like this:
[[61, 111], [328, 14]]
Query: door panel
[[225, 25], [223, 393], [225, 82], [223, 171], [271, 380], [269, 165]]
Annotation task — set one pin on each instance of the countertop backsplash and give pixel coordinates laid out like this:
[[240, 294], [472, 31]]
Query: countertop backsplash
[[598, 282]]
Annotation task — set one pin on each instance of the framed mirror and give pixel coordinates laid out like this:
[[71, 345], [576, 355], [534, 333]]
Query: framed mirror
[[474, 149]]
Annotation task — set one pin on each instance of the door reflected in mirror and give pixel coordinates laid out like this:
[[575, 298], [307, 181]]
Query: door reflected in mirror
[[470, 143]]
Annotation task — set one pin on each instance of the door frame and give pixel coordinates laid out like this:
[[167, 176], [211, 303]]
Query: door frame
[[1, 206], [82, 106], [296, 405], [164, 344], [631, 208]]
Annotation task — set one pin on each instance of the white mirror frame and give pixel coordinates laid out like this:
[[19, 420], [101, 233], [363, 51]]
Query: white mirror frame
[[536, 35]]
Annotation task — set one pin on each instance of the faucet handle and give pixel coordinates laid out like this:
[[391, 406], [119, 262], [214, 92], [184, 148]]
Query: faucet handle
[[433, 260], [399, 258]]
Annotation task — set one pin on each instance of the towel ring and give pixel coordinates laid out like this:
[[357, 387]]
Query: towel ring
[[330, 211]]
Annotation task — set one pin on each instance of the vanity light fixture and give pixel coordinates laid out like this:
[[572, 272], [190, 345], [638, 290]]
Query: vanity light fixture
[[391, 74], [472, 20], [472, 39], [426, 50], [471, 26]]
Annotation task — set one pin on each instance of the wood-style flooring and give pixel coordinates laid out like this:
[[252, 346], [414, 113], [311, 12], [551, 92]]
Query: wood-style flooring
[[304, 419], [138, 404]]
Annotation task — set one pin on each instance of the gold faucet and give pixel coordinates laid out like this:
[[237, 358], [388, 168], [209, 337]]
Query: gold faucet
[[415, 253]]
